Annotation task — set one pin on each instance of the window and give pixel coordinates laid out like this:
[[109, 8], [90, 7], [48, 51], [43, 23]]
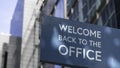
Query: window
[[5, 59]]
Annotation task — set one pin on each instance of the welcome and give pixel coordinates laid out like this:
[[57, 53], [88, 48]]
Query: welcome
[[80, 31]]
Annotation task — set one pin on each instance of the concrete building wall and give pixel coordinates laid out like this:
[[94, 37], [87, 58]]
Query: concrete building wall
[[14, 52], [30, 35], [3, 40], [10, 50]]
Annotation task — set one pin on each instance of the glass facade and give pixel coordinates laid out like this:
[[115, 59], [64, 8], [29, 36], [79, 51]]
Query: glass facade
[[17, 20], [108, 15]]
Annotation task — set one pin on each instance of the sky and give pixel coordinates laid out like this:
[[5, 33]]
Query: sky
[[7, 8]]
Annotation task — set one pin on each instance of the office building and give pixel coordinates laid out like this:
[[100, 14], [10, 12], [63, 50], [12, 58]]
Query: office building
[[17, 19], [30, 34], [10, 51], [94, 11], [99, 12], [4, 43]]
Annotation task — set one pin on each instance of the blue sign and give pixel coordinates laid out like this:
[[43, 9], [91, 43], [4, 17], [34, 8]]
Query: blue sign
[[79, 44]]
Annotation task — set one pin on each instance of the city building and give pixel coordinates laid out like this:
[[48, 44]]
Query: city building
[[10, 51], [99, 12], [17, 19], [30, 34], [4, 43]]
